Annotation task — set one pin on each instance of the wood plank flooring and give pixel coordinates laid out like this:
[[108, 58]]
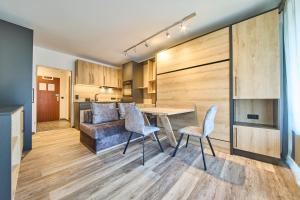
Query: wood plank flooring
[[53, 125], [59, 167]]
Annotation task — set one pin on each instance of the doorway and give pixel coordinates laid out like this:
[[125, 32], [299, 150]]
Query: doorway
[[53, 98]]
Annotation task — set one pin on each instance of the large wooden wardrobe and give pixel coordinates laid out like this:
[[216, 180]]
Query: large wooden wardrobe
[[236, 68]]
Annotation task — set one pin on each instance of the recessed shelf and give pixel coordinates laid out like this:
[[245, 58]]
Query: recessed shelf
[[255, 125]]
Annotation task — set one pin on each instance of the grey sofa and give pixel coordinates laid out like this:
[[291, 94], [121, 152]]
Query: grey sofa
[[101, 136]]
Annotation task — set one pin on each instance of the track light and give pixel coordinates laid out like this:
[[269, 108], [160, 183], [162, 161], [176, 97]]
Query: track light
[[168, 34], [125, 53], [165, 30]]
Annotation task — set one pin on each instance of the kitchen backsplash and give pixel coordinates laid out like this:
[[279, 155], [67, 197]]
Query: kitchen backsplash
[[106, 94]]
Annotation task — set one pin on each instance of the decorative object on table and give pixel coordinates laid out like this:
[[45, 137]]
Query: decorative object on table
[[201, 132]]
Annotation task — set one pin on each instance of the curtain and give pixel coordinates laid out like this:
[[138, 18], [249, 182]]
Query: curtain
[[292, 63]]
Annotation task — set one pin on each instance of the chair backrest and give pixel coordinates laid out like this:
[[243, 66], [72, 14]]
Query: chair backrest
[[134, 120], [209, 121]]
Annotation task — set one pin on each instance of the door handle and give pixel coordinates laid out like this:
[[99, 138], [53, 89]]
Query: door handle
[[235, 137], [235, 86]]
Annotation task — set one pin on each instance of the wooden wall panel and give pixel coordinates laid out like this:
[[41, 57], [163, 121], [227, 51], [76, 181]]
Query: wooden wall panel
[[201, 86], [203, 50], [256, 57]]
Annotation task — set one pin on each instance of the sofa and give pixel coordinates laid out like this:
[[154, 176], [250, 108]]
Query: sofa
[[104, 126]]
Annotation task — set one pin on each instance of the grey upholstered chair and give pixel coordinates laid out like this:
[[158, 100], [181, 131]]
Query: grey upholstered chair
[[134, 122], [201, 132]]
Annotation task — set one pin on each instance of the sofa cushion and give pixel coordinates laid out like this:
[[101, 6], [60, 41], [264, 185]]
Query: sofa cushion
[[103, 130], [122, 108], [104, 112], [87, 116]]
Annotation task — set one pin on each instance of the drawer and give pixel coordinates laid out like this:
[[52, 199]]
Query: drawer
[[263, 141]]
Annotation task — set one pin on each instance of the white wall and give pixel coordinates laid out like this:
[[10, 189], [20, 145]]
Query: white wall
[[63, 76], [55, 59]]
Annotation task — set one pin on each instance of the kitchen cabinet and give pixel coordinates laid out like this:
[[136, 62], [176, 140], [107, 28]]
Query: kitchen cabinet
[[87, 73], [264, 141], [112, 77], [256, 57], [82, 72], [128, 71]]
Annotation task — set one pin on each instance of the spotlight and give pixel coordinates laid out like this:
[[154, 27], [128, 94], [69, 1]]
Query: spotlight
[[146, 44], [182, 27], [168, 34]]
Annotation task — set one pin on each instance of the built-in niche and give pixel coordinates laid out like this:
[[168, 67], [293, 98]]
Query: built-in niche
[[257, 112]]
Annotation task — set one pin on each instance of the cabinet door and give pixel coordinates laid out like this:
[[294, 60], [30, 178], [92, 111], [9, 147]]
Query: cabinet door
[[107, 76], [94, 74], [83, 75], [146, 74], [100, 75], [127, 71], [257, 140], [256, 57], [120, 78]]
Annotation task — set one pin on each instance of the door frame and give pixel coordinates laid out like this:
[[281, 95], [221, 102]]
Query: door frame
[[70, 88]]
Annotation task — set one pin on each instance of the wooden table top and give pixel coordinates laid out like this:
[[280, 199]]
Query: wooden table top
[[166, 110]]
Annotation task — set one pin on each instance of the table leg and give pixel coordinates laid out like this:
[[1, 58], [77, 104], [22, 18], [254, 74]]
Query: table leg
[[148, 124], [168, 129]]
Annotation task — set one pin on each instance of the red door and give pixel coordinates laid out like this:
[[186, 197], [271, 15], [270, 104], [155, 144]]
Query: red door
[[48, 90]]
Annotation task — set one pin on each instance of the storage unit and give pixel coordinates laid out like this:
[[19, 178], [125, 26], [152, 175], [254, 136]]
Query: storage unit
[[149, 81], [133, 81], [87, 73], [11, 147], [256, 86]]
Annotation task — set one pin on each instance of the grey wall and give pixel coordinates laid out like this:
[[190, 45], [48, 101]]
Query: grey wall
[[16, 46]]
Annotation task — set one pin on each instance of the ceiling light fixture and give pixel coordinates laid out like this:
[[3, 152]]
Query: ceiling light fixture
[[180, 22], [168, 34], [125, 53], [182, 27]]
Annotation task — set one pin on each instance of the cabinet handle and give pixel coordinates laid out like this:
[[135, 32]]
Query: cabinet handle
[[235, 86], [235, 135], [104, 81]]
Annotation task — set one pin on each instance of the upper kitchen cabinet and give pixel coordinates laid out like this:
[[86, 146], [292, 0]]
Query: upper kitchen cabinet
[[82, 72], [128, 71], [112, 77], [256, 57]]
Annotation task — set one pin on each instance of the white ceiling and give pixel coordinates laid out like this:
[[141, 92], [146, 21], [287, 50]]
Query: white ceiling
[[102, 29]]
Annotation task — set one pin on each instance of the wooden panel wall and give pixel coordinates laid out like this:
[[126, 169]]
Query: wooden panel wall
[[206, 49], [201, 86]]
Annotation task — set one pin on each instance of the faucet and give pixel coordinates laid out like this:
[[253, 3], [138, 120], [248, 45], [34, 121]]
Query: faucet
[[96, 99]]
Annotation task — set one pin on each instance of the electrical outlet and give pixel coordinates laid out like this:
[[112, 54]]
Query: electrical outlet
[[252, 116]]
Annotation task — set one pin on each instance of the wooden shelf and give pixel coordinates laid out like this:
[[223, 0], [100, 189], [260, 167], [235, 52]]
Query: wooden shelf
[[254, 125]]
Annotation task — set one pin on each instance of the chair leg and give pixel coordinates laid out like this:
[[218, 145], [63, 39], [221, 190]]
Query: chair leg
[[211, 148], [155, 134], [203, 157], [178, 143], [187, 141], [143, 150], [127, 143]]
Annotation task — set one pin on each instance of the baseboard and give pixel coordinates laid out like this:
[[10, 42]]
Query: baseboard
[[295, 169]]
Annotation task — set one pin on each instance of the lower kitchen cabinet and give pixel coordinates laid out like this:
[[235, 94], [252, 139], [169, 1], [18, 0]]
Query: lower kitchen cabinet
[[264, 141]]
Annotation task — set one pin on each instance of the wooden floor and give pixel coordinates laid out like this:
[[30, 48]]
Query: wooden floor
[[59, 167], [53, 125]]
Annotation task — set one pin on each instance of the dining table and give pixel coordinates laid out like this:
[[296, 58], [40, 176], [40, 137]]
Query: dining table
[[163, 113]]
